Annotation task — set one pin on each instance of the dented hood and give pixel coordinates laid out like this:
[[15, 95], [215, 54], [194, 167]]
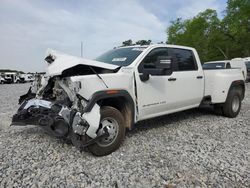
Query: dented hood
[[59, 62]]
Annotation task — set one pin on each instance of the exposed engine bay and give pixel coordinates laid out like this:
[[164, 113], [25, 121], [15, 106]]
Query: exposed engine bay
[[57, 107]]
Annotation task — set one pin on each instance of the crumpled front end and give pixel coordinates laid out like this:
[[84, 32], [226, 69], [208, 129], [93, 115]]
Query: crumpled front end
[[56, 106]]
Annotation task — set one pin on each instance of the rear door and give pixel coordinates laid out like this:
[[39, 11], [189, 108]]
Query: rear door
[[189, 79]]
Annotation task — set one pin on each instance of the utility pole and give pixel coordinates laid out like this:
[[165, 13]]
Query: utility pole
[[81, 49]]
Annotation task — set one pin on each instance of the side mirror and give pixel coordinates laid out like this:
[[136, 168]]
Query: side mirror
[[144, 76], [163, 66]]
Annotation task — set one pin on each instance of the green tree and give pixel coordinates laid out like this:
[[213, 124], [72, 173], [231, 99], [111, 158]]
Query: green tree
[[143, 42], [139, 42], [127, 42], [200, 32], [213, 38], [236, 27]]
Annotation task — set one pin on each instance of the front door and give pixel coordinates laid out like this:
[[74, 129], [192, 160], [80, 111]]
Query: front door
[[163, 94]]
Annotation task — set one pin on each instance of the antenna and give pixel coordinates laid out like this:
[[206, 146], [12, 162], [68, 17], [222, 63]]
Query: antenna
[[81, 49]]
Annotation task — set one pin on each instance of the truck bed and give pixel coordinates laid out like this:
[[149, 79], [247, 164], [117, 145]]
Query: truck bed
[[218, 82]]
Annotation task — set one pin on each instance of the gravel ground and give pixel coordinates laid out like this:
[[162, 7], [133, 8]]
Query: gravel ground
[[194, 148]]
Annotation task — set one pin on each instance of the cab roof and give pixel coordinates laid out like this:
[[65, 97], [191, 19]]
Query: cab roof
[[156, 45]]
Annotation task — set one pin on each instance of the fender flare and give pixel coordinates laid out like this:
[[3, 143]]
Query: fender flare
[[106, 94], [238, 83]]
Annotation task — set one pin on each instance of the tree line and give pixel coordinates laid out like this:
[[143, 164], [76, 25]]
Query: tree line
[[213, 38]]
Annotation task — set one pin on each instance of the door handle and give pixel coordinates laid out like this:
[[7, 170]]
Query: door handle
[[199, 77], [172, 79]]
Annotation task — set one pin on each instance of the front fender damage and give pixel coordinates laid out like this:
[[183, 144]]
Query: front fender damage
[[54, 103]]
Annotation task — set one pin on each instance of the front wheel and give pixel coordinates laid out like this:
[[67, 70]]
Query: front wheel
[[113, 121]]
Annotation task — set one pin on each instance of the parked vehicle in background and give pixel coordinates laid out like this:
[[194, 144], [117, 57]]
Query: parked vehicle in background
[[227, 64], [22, 78], [29, 78], [8, 79], [239, 63], [247, 62], [26, 78], [216, 65], [1, 80], [11, 77], [93, 102]]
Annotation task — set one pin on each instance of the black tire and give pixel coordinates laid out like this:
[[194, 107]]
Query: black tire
[[100, 149], [232, 106]]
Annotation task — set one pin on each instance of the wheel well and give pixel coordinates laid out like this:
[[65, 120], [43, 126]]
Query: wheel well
[[123, 105], [242, 88], [239, 86]]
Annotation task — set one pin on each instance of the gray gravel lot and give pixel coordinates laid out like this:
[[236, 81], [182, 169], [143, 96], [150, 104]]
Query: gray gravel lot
[[194, 148]]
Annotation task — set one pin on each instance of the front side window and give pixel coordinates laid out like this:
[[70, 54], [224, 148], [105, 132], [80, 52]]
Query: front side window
[[153, 57], [184, 59]]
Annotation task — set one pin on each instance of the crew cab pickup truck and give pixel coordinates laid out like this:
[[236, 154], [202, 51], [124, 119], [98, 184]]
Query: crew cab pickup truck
[[93, 102]]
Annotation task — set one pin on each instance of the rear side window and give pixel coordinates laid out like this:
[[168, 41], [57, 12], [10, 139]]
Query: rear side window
[[184, 59]]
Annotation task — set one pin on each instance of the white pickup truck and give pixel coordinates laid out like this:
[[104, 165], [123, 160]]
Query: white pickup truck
[[93, 102], [237, 63]]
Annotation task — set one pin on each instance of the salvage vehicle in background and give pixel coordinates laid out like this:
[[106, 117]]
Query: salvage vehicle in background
[[227, 64], [93, 102], [216, 65]]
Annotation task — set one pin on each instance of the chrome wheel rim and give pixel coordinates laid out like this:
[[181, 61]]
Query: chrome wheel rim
[[235, 104], [112, 126]]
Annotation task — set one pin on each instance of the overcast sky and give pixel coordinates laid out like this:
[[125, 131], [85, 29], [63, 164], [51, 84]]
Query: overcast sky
[[29, 27]]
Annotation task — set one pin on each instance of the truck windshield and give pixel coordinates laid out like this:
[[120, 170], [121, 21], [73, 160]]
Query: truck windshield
[[220, 65], [121, 56]]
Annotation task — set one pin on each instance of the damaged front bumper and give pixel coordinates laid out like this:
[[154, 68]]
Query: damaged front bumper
[[60, 121]]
